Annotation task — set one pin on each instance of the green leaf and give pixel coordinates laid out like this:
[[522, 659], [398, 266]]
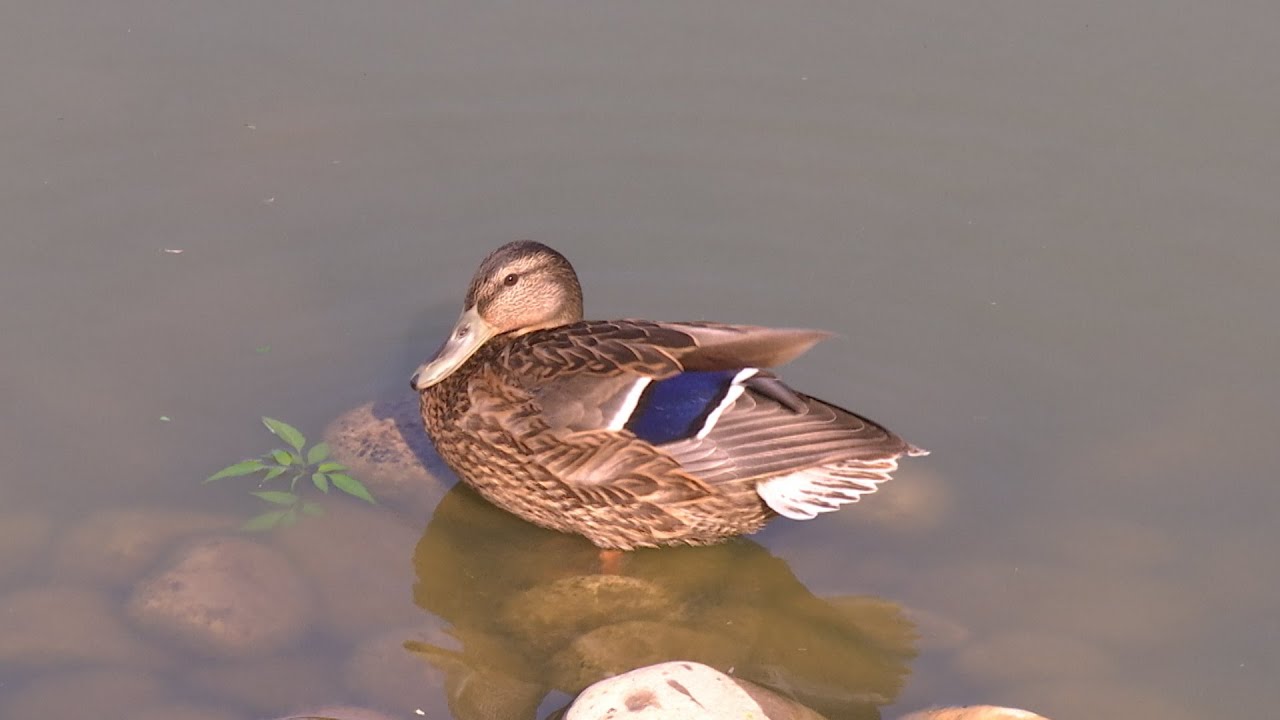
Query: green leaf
[[265, 521], [317, 453], [276, 497], [284, 457], [285, 432], [331, 467], [352, 486], [320, 481], [290, 517], [312, 509], [274, 473], [240, 469]]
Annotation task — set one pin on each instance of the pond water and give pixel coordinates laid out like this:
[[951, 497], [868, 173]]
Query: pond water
[[1045, 235]]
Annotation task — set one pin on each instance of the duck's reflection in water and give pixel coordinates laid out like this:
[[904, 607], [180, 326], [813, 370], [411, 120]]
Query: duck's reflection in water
[[533, 613]]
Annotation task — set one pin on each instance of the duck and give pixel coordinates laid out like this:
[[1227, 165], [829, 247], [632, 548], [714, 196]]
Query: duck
[[635, 433]]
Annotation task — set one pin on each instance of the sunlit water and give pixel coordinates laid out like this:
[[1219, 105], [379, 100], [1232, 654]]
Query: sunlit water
[[1045, 235]]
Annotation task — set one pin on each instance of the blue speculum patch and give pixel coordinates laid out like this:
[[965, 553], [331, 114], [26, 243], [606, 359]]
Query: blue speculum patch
[[676, 408]]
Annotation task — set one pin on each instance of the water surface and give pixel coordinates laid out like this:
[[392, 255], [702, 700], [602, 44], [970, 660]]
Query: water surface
[[1045, 236]]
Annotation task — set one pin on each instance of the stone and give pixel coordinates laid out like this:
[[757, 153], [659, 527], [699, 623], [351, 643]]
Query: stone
[[386, 447], [228, 597], [549, 615], [23, 535], [488, 694], [362, 559], [58, 625], [116, 546], [973, 712], [670, 691], [100, 694], [617, 648]]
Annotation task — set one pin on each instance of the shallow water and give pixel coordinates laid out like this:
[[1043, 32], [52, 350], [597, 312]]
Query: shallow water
[[1045, 235]]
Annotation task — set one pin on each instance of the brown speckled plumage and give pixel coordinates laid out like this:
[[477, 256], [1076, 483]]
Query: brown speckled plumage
[[524, 417]]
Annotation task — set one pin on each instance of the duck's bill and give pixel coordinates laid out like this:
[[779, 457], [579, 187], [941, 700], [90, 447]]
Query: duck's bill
[[470, 332]]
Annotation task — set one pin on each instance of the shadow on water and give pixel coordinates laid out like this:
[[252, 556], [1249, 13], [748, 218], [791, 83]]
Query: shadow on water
[[532, 612]]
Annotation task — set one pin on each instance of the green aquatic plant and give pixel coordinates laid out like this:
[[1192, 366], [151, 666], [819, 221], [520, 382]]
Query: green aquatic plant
[[295, 464]]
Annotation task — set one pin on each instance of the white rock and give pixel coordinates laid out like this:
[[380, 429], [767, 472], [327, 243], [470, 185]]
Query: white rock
[[674, 690]]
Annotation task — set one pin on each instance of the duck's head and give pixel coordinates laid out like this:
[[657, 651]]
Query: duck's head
[[521, 287]]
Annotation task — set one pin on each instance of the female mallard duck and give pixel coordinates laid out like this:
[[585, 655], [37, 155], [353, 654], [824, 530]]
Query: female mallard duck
[[630, 432]]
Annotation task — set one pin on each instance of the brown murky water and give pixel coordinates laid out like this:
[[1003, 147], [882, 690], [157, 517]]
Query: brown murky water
[[1046, 235]]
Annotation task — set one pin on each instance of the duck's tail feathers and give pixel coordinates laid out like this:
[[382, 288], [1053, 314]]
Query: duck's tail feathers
[[803, 494]]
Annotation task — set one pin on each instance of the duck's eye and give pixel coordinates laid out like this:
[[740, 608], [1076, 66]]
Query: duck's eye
[[511, 279]]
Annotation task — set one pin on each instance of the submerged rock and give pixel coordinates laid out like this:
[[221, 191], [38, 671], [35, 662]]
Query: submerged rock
[[225, 596], [617, 648], [116, 546], [43, 627], [386, 447], [486, 694], [549, 615], [682, 691]]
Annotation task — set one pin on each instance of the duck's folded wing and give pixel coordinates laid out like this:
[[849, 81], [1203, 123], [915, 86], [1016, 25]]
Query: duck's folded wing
[[684, 436], [760, 437], [661, 349], [630, 402], [656, 379], [804, 461]]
